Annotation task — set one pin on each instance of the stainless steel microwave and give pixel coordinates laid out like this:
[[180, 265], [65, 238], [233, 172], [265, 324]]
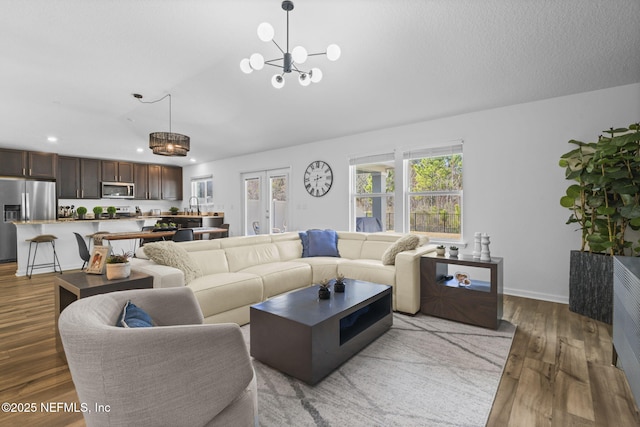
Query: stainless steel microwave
[[118, 190]]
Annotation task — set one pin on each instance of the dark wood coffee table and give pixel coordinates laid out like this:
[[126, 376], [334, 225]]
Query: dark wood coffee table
[[308, 338]]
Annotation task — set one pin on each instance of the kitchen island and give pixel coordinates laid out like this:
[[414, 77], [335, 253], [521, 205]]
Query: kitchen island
[[67, 246]]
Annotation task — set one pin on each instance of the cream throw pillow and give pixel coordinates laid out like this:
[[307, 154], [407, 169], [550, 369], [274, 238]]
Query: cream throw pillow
[[405, 243], [170, 254]]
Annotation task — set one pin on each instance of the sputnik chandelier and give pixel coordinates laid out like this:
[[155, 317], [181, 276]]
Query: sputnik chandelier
[[290, 60]]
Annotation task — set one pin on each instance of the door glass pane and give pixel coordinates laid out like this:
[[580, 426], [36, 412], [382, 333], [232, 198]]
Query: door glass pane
[[252, 205], [279, 204]]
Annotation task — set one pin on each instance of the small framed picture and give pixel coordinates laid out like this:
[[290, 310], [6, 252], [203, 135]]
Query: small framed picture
[[98, 260]]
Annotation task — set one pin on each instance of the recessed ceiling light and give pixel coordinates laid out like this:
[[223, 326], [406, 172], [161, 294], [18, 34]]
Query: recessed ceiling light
[[192, 160], [52, 139], [139, 150]]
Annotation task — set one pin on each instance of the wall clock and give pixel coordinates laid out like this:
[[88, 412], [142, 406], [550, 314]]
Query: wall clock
[[318, 178]]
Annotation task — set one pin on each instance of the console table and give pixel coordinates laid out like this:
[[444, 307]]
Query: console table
[[478, 303]]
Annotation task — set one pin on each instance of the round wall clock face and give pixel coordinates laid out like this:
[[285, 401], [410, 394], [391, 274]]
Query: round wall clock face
[[318, 178]]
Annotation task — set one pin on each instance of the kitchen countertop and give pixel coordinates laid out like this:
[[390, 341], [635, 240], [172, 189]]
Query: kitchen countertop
[[123, 218], [207, 215]]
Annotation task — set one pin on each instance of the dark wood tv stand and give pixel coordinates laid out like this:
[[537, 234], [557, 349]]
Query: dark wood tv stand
[[479, 304]]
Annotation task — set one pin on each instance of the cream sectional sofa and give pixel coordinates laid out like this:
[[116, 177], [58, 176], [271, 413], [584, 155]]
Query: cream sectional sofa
[[237, 272]]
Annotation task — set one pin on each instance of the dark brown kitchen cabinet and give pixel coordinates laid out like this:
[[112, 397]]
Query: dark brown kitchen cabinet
[[155, 188], [68, 177], [171, 183], [113, 171], [141, 180], [42, 165], [78, 178], [148, 181], [90, 178], [29, 164]]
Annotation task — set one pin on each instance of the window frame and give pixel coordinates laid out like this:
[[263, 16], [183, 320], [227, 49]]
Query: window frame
[[440, 150], [383, 196]]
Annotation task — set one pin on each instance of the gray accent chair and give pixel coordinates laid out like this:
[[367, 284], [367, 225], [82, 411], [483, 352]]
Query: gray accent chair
[[179, 373]]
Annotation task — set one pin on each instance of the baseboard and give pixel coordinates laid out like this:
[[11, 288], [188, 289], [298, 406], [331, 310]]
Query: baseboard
[[537, 295]]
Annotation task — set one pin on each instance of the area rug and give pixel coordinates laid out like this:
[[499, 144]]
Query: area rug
[[424, 371]]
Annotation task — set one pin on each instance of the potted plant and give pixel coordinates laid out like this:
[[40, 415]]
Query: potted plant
[[339, 285], [97, 211], [81, 211], [118, 266], [604, 200], [323, 291], [453, 251], [111, 210], [440, 250], [174, 210]]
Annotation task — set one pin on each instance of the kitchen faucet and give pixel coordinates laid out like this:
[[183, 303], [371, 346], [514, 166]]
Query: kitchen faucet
[[197, 204]]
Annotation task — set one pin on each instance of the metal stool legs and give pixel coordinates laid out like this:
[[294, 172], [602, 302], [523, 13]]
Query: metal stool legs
[[31, 263]]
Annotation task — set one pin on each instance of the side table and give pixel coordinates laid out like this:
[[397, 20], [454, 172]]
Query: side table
[[479, 303], [69, 287]]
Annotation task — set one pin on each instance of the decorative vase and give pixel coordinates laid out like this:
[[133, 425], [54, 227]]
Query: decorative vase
[[118, 271], [324, 293], [477, 247], [485, 254], [338, 287]]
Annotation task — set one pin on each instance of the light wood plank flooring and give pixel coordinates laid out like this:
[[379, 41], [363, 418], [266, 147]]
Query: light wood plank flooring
[[558, 373]]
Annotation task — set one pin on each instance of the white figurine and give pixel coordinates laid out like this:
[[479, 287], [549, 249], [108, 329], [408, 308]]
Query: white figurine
[[485, 255]]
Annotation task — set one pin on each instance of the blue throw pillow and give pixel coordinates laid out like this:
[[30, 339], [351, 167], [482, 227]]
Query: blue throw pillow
[[323, 243], [134, 317], [305, 243]]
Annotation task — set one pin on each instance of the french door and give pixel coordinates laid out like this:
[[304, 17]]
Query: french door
[[266, 206]]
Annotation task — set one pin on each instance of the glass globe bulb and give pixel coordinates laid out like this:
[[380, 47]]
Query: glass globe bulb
[[245, 66], [304, 79], [265, 32], [316, 75], [299, 54], [257, 61], [333, 52], [277, 81]]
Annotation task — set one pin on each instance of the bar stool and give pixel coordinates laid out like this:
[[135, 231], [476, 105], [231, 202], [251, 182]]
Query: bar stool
[[42, 238]]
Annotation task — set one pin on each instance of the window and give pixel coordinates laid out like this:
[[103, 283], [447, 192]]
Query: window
[[434, 192], [417, 191], [202, 188], [372, 192]]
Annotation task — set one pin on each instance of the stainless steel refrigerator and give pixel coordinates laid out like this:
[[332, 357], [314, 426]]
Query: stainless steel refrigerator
[[23, 200]]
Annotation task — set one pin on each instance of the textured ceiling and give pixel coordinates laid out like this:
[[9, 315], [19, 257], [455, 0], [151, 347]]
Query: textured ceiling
[[69, 67]]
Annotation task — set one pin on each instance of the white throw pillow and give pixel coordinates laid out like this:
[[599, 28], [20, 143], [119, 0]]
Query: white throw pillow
[[170, 254], [405, 243]]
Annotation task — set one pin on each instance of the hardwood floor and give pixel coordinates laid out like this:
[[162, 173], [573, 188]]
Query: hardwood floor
[[558, 373]]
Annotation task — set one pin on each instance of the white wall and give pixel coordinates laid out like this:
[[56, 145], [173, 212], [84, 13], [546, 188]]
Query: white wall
[[512, 181]]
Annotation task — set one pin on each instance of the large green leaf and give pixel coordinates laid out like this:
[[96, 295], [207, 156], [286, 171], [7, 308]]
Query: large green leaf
[[630, 212], [626, 189], [567, 202], [574, 191], [603, 210]]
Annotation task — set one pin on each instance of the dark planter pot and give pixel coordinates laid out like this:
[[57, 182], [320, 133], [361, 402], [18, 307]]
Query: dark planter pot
[[338, 287], [324, 293], [591, 285]]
